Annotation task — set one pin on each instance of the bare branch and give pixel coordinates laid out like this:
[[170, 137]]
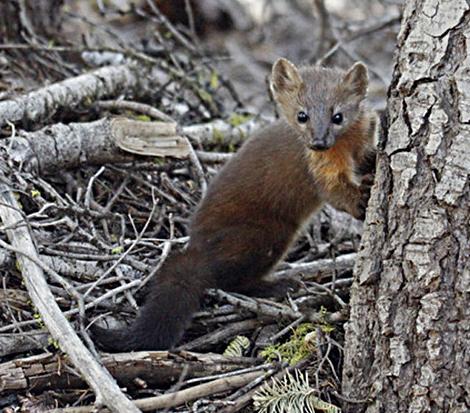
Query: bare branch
[[70, 93], [60, 146], [99, 379], [169, 400]]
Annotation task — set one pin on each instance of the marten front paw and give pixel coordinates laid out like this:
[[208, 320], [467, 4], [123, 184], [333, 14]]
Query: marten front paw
[[364, 194], [285, 285]]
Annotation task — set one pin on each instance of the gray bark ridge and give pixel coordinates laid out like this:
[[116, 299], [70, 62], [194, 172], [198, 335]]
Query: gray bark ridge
[[408, 338]]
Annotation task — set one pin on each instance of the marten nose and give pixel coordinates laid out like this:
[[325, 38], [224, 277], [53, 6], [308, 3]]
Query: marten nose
[[319, 146]]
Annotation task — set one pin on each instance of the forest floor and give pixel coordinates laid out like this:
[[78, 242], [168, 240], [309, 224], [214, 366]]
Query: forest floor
[[95, 195]]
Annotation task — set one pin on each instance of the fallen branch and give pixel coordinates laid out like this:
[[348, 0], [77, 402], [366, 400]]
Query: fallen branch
[[221, 335], [20, 343], [70, 93], [135, 107], [99, 379], [311, 269], [80, 270], [73, 311], [58, 147], [213, 156], [170, 400], [220, 131], [131, 370]]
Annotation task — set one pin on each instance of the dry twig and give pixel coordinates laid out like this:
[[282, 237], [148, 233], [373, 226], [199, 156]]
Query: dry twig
[[180, 397], [99, 379]]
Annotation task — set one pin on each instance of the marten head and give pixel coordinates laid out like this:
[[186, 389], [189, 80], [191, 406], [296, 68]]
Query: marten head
[[321, 104]]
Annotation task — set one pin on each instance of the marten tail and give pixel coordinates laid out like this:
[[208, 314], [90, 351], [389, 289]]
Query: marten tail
[[169, 305]]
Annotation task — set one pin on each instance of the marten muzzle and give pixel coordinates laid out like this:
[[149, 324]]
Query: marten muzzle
[[321, 138], [319, 146]]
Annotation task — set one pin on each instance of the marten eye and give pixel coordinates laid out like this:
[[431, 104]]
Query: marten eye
[[302, 117], [337, 118]]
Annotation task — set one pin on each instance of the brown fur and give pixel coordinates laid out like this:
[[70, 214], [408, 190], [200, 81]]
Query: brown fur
[[256, 205]]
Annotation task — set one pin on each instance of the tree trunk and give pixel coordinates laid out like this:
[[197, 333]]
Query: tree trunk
[[408, 339]]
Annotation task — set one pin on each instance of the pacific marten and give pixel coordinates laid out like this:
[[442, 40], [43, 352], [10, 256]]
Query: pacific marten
[[255, 207]]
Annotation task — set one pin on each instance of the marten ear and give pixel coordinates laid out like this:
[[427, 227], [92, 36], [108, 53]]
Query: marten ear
[[285, 78], [356, 80]]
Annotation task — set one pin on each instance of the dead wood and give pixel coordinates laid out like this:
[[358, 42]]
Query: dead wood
[[99, 379], [221, 335], [73, 92], [22, 342], [312, 269], [75, 269], [277, 311], [169, 400], [225, 132], [131, 370], [59, 147]]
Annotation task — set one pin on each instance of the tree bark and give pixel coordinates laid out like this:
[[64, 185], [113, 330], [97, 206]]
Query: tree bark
[[408, 339]]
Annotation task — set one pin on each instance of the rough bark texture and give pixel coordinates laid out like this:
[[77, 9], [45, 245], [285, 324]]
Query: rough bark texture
[[408, 339], [131, 370]]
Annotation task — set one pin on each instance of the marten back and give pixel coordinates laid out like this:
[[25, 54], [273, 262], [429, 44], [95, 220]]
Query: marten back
[[253, 210], [267, 179]]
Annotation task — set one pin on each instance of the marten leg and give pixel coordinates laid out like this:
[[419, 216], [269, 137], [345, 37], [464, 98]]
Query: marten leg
[[367, 164], [349, 197], [232, 258]]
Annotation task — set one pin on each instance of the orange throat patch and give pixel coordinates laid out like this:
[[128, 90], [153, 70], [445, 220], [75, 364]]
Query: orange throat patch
[[328, 166]]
